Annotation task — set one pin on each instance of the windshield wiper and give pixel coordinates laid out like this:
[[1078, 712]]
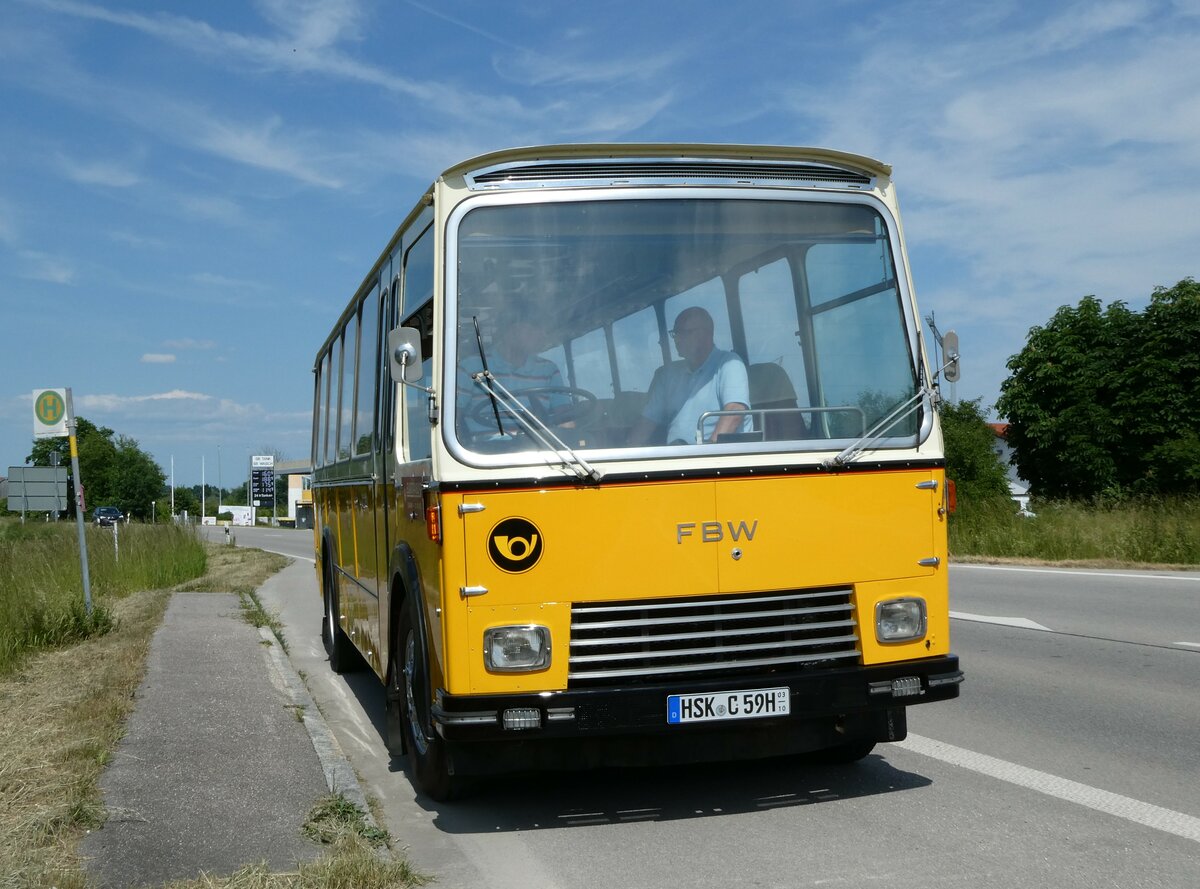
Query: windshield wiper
[[871, 436], [483, 362], [925, 393], [533, 425]]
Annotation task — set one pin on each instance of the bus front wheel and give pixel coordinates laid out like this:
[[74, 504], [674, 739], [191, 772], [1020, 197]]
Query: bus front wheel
[[428, 757]]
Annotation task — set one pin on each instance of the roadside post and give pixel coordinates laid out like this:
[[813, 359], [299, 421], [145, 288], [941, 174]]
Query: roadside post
[[54, 417]]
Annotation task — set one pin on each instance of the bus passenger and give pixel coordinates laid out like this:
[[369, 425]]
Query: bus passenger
[[705, 379]]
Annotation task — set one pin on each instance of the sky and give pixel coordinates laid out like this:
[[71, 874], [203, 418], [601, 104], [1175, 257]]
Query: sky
[[191, 192]]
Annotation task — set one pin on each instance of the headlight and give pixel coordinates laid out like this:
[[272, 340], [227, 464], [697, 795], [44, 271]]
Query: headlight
[[516, 649], [900, 620]]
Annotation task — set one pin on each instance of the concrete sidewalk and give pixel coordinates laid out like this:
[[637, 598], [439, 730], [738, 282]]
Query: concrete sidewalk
[[223, 757]]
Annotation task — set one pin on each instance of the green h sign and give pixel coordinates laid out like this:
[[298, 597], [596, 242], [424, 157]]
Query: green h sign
[[49, 412]]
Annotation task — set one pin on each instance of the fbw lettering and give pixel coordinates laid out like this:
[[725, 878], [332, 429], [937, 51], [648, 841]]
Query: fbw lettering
[[715, 532]]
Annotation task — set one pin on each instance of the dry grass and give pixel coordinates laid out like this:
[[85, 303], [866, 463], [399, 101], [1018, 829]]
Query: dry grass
[[64, 712], [351, 864]]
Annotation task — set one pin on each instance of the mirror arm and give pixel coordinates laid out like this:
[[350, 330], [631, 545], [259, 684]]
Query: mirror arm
[[403, 355]]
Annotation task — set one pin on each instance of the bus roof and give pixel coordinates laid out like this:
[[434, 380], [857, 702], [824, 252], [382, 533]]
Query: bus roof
[[690, 150]]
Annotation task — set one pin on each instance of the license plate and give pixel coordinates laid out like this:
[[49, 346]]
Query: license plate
[[757, 703]]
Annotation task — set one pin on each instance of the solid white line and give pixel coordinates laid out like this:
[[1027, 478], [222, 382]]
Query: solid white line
[[1023, 623], [289, 555], [1189, 644], [1146, 814], [1107, 574]]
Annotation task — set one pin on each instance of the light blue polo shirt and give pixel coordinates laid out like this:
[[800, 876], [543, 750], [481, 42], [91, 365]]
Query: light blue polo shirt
[[681, 395]]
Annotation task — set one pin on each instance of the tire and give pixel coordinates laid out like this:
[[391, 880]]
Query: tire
[[429, 758], [395, 738], [337, 646]]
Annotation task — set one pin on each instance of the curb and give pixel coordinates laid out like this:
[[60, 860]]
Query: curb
[[339, 774]]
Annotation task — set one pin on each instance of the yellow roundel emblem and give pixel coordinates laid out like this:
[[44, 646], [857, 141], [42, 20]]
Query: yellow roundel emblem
[[515, 545]]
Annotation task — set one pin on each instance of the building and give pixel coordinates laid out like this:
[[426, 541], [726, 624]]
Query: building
[[1018, 488]]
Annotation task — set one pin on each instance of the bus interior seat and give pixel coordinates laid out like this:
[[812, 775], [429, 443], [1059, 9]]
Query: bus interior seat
[[771, 389]]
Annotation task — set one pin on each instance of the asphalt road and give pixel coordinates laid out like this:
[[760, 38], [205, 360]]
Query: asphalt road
[[1071, 759]]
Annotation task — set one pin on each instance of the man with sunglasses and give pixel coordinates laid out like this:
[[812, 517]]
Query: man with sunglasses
[[704, 379]]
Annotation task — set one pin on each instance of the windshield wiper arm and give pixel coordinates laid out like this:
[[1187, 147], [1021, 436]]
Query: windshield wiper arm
[[534, 426], [876, 432], [483, 362]]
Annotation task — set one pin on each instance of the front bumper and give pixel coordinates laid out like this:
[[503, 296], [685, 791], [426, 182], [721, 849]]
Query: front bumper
[[817, 697]]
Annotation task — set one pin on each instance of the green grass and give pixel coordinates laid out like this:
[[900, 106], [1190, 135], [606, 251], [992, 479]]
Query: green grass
[[41, 581], [1136, 532]]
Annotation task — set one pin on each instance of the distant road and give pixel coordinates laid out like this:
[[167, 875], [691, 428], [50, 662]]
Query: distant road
[[1071, 760]]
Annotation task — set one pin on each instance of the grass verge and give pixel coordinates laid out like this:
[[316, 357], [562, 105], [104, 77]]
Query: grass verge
[[1159, 533], [65, 711], [41, 581]]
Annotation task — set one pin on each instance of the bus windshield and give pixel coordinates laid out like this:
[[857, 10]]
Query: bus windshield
[[675, 322]]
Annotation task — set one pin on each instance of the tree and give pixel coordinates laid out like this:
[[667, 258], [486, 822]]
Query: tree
[[971, 459], [115, 472], [1107, 401]]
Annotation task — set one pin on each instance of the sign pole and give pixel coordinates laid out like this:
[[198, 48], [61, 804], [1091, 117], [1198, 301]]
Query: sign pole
[[79, 506]]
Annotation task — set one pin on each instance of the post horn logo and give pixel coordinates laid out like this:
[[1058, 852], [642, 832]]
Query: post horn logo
[[515, 545]]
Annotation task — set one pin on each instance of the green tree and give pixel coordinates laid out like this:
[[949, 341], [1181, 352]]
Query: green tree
[[1106, 401], [115, 470], [971, 459]]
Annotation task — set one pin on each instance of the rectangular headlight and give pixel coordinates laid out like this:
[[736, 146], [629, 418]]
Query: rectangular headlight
[[516, 649], [900, 620]]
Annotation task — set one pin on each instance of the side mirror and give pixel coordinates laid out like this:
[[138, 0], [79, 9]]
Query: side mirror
[[404, 355], [952, 371]]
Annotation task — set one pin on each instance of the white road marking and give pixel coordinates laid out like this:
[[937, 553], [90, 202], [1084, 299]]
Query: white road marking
[[1193, 578], [1146, 814], [1189, 644], [1022, 622], [289, 555]]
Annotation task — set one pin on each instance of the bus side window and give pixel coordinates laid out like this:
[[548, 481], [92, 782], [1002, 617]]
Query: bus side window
[[417, 300], [335, 389], [349, 366], [418, 430]]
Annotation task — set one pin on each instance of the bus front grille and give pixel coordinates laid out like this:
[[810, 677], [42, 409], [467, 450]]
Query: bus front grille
[[618, 643]]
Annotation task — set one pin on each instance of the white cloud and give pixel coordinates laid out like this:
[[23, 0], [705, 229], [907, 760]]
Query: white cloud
[[38, 266], [157, 358], [1041, 163], [98, 172]]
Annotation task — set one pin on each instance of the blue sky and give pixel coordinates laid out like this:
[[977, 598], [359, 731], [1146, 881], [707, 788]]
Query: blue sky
[[189, 193]]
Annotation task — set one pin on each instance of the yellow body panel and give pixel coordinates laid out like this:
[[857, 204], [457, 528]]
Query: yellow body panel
[[866, 530]]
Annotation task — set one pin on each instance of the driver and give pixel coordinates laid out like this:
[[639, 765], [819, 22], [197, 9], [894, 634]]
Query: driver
[[513, 360], [704, 379]]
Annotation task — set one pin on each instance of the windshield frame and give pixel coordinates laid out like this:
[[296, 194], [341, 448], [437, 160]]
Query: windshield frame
[[781, 451]]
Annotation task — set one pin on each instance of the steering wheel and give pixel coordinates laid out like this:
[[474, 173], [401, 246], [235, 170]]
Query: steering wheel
[[579, 408]]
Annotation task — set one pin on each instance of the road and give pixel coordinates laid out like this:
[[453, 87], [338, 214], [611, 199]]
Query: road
[[1071, 759]]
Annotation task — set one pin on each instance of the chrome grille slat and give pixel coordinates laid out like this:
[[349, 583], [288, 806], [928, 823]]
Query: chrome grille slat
[[696, 668], [682, 604], [708, 651], [679, 637], [726, 635], [699, 618]]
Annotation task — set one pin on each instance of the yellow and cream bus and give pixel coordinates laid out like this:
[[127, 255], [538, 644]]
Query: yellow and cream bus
[[629, 453]]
